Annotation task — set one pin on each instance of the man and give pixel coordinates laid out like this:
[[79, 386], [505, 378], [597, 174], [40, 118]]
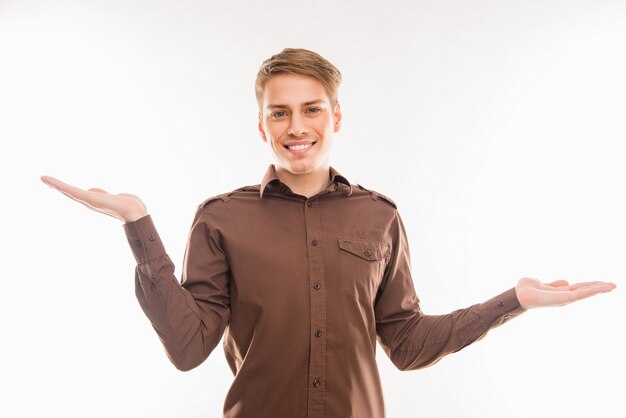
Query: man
[[302, 273]]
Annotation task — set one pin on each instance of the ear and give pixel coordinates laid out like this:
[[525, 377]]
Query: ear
[[337, 115], [261, 130]]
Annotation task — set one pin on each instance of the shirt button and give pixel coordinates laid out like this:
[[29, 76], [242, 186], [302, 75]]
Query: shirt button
[[507, 317], [316, 383], [138, 243], [318, 333], [151, 237], [367, 253], [309, 204], [315, 242], [500, 304], [317, 286]]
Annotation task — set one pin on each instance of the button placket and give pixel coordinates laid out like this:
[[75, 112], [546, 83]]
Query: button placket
[[317, 295]]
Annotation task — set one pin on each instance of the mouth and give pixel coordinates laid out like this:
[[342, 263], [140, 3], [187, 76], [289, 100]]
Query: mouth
[[299, 147]]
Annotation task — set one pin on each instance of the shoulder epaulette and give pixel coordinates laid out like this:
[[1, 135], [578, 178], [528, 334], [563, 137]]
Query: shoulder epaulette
[[225, 197], [209, 200], [375, 195]]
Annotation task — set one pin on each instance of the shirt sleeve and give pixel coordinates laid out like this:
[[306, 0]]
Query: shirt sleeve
[[413, 340], [189, 318]]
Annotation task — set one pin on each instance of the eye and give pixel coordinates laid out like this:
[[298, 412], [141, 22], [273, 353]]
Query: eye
[[278, 114], [314, 110]]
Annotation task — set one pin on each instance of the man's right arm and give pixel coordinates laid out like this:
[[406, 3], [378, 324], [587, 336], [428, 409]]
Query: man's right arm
[[189, 319], [189, 322]]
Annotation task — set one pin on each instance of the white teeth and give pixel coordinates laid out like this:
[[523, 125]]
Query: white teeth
[[299, 147]]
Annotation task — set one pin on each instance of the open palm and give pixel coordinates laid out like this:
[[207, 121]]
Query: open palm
[[123, 206], [534, 294]]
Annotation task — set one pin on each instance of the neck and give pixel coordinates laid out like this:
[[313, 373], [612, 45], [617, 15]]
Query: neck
[[305, 184]]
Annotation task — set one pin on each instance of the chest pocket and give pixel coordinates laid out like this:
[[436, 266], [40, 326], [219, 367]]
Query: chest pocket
[[362, 266]]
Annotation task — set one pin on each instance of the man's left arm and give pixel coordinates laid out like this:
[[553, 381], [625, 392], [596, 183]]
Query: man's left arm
[[413, 340]]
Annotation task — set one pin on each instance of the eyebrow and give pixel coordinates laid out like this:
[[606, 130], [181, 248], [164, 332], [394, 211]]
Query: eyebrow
[[282, 106]]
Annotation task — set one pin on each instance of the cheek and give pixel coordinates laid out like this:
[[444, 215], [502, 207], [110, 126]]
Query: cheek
[[277, 128], [276, 134], [273, 136], [327, 127], [270, 132], [318, 125]]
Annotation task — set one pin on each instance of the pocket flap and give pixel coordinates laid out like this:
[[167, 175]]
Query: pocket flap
[[367, 250]]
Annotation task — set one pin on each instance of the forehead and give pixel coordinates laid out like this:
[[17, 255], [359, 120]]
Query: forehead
[[291, 89]]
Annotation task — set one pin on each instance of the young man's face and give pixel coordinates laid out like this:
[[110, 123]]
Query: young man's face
[[298, 121]]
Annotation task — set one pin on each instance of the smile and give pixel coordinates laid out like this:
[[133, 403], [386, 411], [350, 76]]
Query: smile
[[299, 147]]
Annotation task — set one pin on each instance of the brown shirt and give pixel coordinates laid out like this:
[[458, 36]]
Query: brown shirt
[[301, 289]]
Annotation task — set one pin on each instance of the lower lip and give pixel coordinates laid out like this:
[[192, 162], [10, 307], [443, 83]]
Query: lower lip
[[300, 151]]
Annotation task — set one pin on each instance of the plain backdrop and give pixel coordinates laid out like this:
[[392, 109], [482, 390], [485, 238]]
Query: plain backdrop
[[496, 126]]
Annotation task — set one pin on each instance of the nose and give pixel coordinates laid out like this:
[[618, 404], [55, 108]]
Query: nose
[[297, 127]]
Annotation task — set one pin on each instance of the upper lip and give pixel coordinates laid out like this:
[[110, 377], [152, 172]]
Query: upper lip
[[293, 143]]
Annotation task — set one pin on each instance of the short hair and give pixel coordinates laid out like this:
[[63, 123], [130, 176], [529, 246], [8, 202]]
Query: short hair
[[298, 61]]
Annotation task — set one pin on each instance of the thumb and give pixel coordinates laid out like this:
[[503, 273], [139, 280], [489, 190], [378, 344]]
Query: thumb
[[559, 283]]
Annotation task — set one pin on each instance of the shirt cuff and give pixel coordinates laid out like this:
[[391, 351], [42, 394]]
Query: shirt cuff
[[500, 309], [144, 240]]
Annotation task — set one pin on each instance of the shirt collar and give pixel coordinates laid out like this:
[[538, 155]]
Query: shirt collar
[[270, 177]]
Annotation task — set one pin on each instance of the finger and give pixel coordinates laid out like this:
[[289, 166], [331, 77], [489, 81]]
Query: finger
[[553, 286], [564, 297], [49, 181], [559, 283], [96, 199], [592, 290], [556, 286], [63, 187], [530, 283], [583, 284]]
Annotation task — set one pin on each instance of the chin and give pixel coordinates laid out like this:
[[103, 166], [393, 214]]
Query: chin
[[298, 168], [308, 164]]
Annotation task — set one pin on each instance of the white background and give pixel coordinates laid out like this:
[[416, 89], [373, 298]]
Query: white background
[[496, 126]]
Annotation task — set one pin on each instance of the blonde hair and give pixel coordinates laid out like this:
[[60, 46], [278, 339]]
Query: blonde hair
[[299, 61]]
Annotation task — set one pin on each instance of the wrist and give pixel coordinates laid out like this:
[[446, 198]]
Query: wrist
[[135, 215], [134, 218]]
